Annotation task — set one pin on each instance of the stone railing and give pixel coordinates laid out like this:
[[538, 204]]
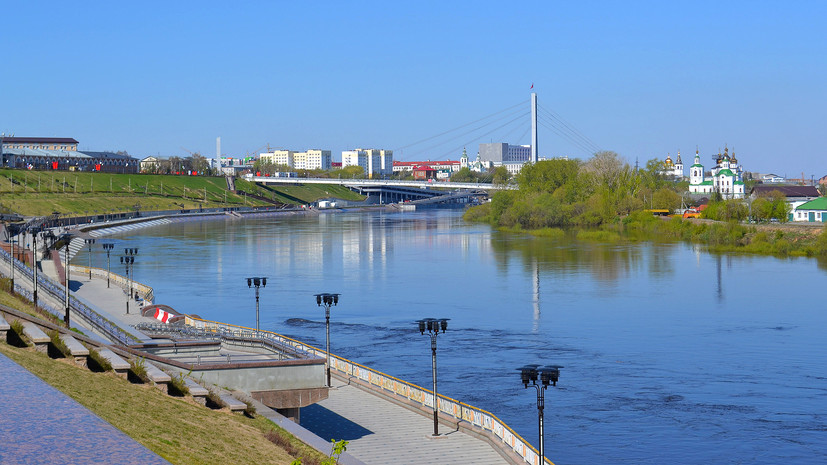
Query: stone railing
[[482, 421]]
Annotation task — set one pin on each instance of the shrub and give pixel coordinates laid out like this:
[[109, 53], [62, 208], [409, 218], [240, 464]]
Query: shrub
[[177, 385], [137, 367], [15, 336], [57, 343], [99, 363]]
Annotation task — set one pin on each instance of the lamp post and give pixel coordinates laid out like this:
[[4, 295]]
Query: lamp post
[[548, 375], [89, 243], [433, 326], [327, 300], [66, 279], [129, 260], [257, 281], [108, 246], [12, 231], [34, 232]]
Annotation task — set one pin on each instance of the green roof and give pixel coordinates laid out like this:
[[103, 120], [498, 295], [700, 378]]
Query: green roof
[[698, 165], [725, 173], [706, 183], [815, 204]]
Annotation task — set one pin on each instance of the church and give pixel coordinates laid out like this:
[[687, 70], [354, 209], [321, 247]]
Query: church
[[727, 177]]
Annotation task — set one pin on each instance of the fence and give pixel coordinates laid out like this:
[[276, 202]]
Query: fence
[[44, 284], [500, 433]]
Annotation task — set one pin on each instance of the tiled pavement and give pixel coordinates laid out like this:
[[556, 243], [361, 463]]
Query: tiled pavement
[[41, 425], [382, 433]]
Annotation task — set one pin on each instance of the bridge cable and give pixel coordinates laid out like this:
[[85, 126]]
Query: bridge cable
[[512, 113], [568, 135], [565, 135], [460, 127], [570, 128], [454, 150]]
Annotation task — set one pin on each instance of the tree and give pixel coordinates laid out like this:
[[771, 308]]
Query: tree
[[606, 167], [463, 175], [547, 175], [500, 175], [198, 162]]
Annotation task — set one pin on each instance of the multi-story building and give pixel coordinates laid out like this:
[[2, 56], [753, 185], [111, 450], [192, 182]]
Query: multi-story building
[[501, 153], [41, 143], [310, 160], [60, 153], [512, 157], [375, 162]]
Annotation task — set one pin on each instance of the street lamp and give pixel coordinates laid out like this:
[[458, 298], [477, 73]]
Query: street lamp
[[34, 232], [89, 243], [108, 246], [257, 282], [128, 260], [433, 326], [548, 375], [327, 300], [67, 239]]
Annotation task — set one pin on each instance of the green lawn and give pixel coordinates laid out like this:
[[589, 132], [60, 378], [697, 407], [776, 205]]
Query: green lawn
[[38, 193]]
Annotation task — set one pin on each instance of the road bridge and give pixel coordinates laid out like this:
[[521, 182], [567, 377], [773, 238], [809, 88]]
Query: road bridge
[[364, 183]]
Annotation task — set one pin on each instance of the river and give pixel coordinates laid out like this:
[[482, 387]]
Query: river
[[670, 354]]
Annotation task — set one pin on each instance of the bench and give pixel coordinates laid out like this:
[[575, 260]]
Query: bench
[[76, 349], [4, 328], [232, 403], [37, 336], [198, 393], [158, 377], [120, 365]]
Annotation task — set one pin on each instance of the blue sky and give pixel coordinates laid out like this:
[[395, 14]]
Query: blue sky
[[641, 78]]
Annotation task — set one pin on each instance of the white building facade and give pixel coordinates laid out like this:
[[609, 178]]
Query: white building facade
[[726, 177], [309, 160], [374, 162]]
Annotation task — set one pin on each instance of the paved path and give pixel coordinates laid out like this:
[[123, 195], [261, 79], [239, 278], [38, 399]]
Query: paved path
[[381, 432], [41, 425]]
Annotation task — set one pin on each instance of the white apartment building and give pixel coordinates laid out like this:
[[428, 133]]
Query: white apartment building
[[375, 162], [310, 160]]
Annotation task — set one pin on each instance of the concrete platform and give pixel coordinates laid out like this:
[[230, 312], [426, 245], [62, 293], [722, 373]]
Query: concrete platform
[[381, 432]]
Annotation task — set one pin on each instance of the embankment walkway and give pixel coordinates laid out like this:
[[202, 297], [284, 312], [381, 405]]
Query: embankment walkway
[[381, 432]]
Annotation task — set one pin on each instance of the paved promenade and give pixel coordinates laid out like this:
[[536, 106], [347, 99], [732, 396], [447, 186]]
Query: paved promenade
[[381, 432], [41, 425]]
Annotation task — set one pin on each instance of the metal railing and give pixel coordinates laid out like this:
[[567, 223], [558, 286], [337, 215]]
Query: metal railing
[[45, 284], [243, 336], [486, 421]]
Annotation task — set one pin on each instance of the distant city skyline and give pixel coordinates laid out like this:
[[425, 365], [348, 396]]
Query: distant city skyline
[[644, 79]]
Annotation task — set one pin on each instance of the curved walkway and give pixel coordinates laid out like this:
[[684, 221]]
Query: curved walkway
[[381, 432], [39, 424]]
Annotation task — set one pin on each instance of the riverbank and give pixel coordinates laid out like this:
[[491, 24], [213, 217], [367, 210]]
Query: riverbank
[[774, 239]]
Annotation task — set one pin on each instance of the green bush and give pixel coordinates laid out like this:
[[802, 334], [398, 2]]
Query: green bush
[[58, 343], [99, 362]]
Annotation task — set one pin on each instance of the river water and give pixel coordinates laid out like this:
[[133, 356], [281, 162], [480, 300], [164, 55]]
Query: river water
[[671, 355]]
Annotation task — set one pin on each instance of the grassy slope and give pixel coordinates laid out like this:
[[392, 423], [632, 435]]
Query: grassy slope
[[44, 192], [177, 429]]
